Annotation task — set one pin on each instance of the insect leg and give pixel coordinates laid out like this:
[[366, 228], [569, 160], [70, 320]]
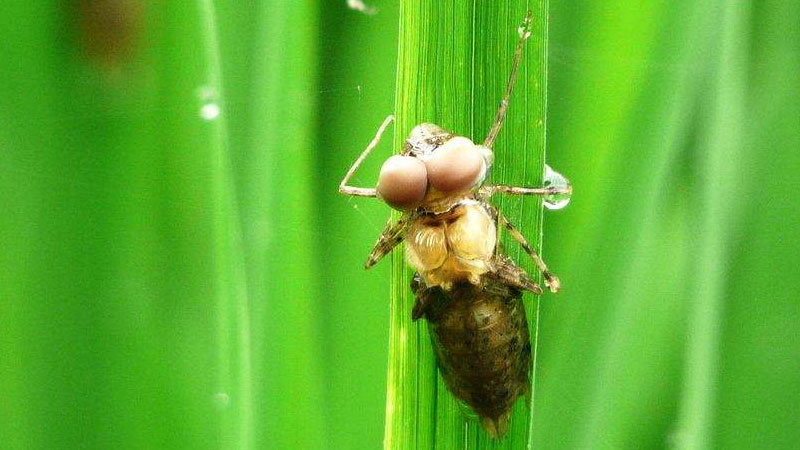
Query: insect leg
[[425, 296], [525, 32], [391, 235], [511, 275], [357, 191], [550, 279], [488, 191]]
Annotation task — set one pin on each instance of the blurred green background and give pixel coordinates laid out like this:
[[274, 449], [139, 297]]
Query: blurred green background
[[178, 271]]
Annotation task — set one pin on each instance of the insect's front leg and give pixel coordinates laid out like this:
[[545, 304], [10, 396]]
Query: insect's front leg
[[359, 191], [525, 33], [550, 279], [391, 235]]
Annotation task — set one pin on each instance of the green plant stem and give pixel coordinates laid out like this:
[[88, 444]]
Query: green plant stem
[[723, 172], [453, 65]]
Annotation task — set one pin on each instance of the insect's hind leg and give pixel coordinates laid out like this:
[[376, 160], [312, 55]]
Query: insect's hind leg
[[344, 188], [552, 281], [510, 275]]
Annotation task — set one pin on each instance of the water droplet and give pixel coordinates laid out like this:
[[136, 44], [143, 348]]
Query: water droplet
[[555, 180], [359, 5], [524, 29], [209, 111]]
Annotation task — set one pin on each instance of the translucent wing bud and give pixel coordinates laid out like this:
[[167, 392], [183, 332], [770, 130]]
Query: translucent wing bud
[[402, 182], [456, 165]]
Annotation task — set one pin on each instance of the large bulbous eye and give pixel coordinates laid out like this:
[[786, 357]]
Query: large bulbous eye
[[455, 166], [402, 182]]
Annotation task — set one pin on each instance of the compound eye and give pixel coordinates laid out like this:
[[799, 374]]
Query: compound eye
[[455, 166], [402, 182]]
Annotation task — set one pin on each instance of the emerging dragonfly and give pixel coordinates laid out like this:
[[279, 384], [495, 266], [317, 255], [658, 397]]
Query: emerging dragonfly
[[466, 288]]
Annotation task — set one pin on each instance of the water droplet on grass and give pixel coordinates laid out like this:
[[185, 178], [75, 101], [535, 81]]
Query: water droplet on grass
[[555, 180], [209, 111], [524, 29]]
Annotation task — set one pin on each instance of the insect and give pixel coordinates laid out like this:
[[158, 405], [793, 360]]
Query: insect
[[466, 288]]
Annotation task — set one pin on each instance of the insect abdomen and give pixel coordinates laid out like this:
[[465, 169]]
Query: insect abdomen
[[480, 337]]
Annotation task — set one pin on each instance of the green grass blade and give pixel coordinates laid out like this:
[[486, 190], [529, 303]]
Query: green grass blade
[[128, 304], [453, 66], [357, 66], [721, 161], [660, 117], [757, 401], [270, 49], [611, 352]]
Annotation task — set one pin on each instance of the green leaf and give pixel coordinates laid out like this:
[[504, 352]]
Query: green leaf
[[453, 66]]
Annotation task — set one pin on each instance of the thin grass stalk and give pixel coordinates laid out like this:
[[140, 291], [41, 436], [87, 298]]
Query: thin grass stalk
[[234, 378], [619, 383], [720, 161], [453, 66], [276, 167]]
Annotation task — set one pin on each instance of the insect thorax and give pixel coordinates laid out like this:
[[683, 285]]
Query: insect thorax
[[453, 246]]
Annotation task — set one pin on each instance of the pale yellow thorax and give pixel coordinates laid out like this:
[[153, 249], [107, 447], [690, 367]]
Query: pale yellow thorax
[[454, 246]]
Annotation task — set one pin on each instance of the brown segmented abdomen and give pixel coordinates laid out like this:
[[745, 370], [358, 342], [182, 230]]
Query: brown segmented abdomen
[[482, 345]]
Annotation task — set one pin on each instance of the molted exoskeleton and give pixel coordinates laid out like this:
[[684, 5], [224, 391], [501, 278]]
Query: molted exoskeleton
[[467, 289], [402, 182], [456, 166], [454, 246]]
